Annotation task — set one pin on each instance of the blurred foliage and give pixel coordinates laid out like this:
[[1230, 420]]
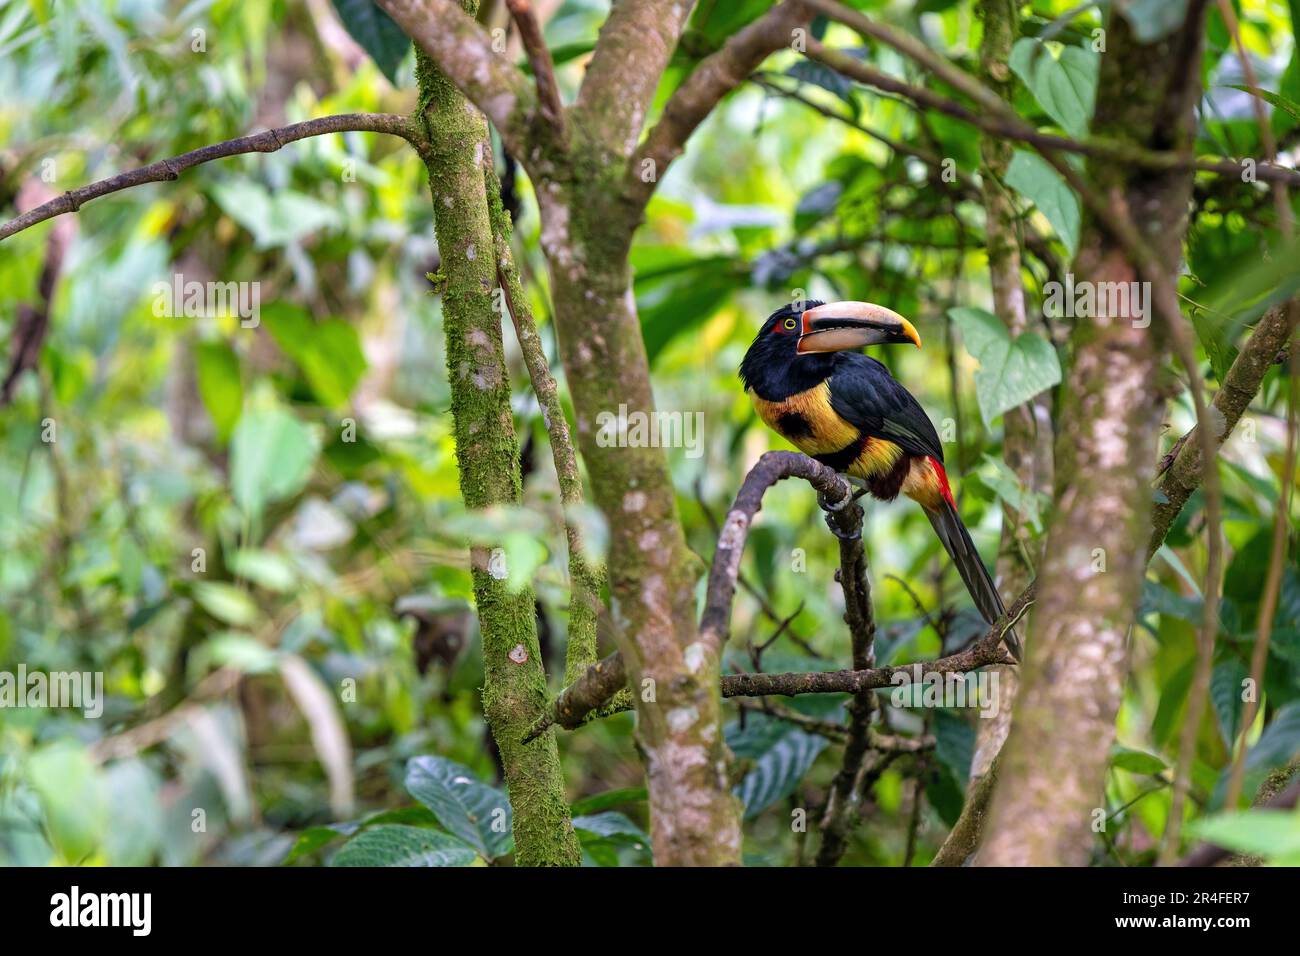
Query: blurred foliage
[[254, 532]]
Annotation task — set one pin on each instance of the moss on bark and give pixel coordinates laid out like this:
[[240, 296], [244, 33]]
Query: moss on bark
[[487, 455]]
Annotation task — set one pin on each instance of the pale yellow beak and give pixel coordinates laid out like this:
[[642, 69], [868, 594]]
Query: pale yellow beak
[[837, 326]]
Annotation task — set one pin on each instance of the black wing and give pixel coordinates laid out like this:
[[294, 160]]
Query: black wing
[[867, 396]]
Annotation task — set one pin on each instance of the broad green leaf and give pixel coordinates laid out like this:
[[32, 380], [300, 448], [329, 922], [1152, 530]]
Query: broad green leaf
[[1010, 372], [403, 846], [1065, 87], [1277, 746], [1135, 761], [1031, 176], [1266, 833], [1225, 691], [782, 755], [219, 385], [468, 808], [275, 219], [137, 828], [271, 456], [954, 744], [1254, 284], [329, 352], [72, 795], [376, 32]]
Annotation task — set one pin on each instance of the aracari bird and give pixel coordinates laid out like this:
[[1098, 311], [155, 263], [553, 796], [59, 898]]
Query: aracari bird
[[809, 384]]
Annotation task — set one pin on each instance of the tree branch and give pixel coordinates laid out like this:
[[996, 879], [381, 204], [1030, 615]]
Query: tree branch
[[998, 124], [539, 58], [584, 580], [772, 467], [1240, 386], [842, 801], [635, 44], [168, 169], [716, 76], [463, 51]]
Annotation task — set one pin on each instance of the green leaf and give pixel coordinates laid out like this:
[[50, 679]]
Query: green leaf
[[1065, 87], [1010, 372], [243, 652], [609, 825], [271, 456], [782, 755], [1154, 19], [1266, 833], [265, 568], [275, 219], [1225, 691], [1273, 99], [1031, 176], [376, 32], [71, 793], [220, 386], [1252, 285], [312, 839], [610, 798], [1135, 761], [404, 846], [226, 602], [329, 352], [470, 809], [954, 744], [1006, 484]]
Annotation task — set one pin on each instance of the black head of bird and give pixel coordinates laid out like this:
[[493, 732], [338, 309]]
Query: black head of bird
[[811, 385]]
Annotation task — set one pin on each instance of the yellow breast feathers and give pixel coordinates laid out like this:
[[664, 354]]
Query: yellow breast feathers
[[807, 421]]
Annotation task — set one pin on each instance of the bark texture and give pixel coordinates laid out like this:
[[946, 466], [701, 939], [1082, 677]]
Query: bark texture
[[459, 158], [589, 213], [1050, 783], [1027, 429]]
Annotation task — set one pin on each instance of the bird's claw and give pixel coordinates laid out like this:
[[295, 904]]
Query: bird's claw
[[830, 523]]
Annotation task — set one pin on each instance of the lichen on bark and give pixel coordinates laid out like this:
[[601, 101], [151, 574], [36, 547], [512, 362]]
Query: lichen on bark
[[1052, 772], [514, 692]]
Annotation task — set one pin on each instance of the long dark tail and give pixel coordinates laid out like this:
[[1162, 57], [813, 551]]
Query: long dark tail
[[956, 540]]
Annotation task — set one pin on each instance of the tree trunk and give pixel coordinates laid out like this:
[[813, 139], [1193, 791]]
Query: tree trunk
[[1048, 798], [459, 156], [672, 674]]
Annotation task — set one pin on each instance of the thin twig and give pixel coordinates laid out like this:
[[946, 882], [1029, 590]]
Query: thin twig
[[991, 115], [165, 170]]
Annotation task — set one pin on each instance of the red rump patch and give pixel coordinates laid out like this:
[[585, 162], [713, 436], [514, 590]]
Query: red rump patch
[[942, 475]]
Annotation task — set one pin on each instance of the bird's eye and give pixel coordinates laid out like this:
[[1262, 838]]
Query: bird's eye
[[790, 325]]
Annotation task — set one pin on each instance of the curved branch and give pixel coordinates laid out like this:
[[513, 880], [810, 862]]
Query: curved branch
[[463, 51], [772, 467], [168, 169], [716, 76], [602, 680]]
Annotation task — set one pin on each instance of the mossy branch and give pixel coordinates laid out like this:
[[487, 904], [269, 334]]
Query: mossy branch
[[585, 580]]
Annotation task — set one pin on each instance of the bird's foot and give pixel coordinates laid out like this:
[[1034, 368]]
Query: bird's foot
[[830, 523]]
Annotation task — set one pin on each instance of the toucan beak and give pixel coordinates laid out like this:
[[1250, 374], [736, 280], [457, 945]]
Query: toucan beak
[[837, 326]]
